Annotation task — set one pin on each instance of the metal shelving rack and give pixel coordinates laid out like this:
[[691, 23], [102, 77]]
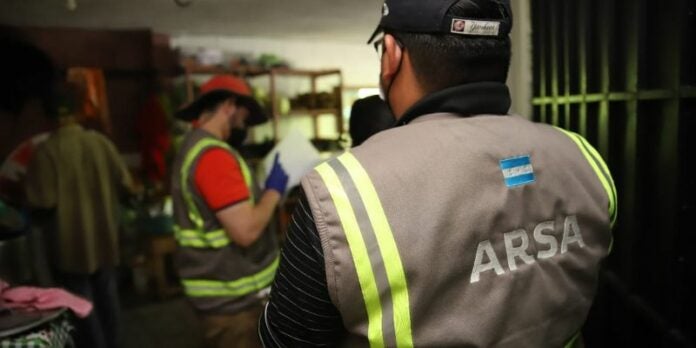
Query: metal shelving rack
[[313, 75], [273, 76]]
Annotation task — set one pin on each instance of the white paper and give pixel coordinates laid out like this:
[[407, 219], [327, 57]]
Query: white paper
[[297, 156]]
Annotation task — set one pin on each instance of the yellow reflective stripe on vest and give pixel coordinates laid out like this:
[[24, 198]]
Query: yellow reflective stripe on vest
[[196, 239], [600, 168], [595, 154], [246, 173], [191, 156], [236, 288], [387, 247], [573, 341], [353, 192], [361, 259]]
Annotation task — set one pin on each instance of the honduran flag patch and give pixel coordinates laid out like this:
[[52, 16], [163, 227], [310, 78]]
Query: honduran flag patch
[[517, 171]]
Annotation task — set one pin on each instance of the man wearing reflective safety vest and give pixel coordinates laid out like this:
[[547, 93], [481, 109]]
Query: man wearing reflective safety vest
[[226, 258], [460, 227]]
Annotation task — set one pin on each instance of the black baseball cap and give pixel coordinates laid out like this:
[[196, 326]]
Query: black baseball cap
[[430, 16], [218, 89]]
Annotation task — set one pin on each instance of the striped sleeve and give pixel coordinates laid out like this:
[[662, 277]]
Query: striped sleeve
[[300, 312]]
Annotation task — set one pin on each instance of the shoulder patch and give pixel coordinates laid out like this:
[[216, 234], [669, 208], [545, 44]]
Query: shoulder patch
[[517, 171]]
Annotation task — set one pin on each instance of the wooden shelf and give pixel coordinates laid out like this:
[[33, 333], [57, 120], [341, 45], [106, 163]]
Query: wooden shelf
[[273, 74], [311, 112], [305, 73], [252, 71]]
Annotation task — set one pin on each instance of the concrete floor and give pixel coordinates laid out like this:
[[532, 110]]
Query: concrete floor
[[168, 323]]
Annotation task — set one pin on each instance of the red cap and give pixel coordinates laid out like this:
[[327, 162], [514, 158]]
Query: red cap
[[226, 82], [220, 87]]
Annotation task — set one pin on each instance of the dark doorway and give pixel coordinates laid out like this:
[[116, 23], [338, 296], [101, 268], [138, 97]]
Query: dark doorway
[[623, 74]]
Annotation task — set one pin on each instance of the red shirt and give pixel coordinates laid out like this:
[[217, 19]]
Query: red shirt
[[219, 179]]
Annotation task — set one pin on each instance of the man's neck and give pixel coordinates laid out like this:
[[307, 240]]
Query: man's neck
[[407, 87], [212, 128]]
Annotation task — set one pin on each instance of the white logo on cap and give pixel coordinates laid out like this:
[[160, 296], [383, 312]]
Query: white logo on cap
[[385, 10], [471, 27]]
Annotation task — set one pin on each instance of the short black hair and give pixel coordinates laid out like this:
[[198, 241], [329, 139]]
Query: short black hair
[[446, 60], [66, 100]]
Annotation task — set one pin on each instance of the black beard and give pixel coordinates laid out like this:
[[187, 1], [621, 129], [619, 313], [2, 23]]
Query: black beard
[[237, 137]]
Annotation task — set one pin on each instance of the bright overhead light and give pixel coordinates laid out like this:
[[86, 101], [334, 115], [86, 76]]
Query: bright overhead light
[[366, 92], [71, 5]]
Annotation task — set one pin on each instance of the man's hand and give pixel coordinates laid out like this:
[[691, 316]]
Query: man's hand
[[278, 178], [245, 222]]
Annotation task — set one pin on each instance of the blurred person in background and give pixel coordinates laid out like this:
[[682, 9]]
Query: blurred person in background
[[227, 257], [369, 116], [74, 184]]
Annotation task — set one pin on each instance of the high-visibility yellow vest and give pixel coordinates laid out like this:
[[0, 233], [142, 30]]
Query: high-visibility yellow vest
[[198, 237], [218, 275]]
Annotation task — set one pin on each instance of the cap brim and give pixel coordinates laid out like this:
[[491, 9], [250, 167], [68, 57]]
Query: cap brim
[[189, 113], [257, 115], [378, 30], [194, 110]]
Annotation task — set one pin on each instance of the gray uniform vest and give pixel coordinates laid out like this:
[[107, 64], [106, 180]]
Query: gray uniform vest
[[218, 276], [485, 231]]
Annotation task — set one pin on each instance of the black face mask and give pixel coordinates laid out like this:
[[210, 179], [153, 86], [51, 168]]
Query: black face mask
[[237, 137], [385, 88]]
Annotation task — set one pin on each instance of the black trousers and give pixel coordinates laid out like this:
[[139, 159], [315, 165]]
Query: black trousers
[[100, 328]]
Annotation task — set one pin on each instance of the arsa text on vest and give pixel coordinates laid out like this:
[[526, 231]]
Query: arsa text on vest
[[517, 243]]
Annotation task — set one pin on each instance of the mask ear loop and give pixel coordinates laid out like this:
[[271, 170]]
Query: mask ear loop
[[385, 94]]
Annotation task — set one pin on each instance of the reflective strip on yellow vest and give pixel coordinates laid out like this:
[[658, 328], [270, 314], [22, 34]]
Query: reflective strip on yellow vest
[[194, 238], [600, 168], [198, 237], [235, 288], [365, 223], [574, 341]]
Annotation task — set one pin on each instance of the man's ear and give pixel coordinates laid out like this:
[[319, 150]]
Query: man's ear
[[391, 59], [229, 107]]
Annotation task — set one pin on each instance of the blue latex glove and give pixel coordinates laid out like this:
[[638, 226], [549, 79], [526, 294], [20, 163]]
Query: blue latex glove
[[278, 178]]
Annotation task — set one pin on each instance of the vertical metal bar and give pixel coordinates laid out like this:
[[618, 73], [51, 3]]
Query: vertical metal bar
[[566, 60], [554, 61], [628, 183], [339, 102], [541, 51], [274, 107], [667, 167], [315, 115], [606, 20], [582, 50]]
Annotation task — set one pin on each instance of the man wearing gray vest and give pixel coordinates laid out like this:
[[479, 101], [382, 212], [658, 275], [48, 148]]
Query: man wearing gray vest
[[227, 257], [460, 227]]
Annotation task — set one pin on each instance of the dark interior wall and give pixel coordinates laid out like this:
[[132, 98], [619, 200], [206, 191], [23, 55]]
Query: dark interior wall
[[125, 56], [622, 74], [130, 59], [25, 89]]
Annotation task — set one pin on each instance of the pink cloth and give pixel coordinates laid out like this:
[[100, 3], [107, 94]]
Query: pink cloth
[[26, 297]]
